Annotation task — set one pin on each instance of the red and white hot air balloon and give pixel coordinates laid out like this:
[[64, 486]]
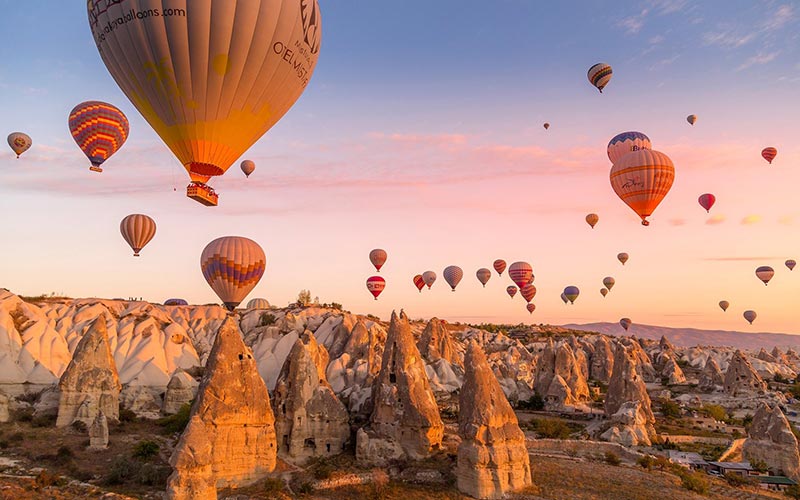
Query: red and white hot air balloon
[[138, 230], [419, 282], [452, 275], [375, 285], [511, 291], [378, 258], [520, 273], [528, 292], [707, 201], [499, 266], [530, 307], [769, 154]]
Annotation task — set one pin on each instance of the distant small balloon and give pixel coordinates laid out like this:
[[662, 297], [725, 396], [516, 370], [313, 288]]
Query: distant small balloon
[[609, 282], [692, 119], [530, 307], [376, 285], [248, 167], [429, 277], [604, 291], [707, 201], [790, 264], [499, 266], [175, 302], [592, 219], [483, 276], [750, 316], [546, 125], [769, 154], [724, 305], [419, 282], [19, 142], [765, 273], [511, 291], [625, 323], [138, 230], [599, 75], [378, 258], [564, 298], [528, 292], [571, 293], [622, 257], [452, 275]]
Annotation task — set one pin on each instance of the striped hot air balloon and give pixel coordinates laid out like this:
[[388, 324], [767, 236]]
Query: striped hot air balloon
[[530, 307], [175, 302], [609, 282], [769, 154], [604, 291], [625, 323], [599, 75], [258, 303], [429, 277], [378, 258], [99, 129], [707, 201], [521, 273], [692, 119], [790, 264], [452, 275], [375, 285], [419, 282], [571, 293], [499, 266], [511, 291], [724, 305], [483, 276], [592, 219], [233, 266], [138, 230], [625, 142], [765, 273], [528, 292], [622, 257], [19, 142], [750, 316], [248, 167], [642, 179]]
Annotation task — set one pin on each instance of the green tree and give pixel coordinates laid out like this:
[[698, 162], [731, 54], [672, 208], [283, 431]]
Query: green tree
[[716, 412], [304, 298], [671, 409]]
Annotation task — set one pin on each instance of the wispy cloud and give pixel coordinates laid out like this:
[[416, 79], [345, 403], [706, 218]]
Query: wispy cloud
[[760, 58], [728, 38], [677, 222], [715, 220], [739, 259], [780, 18], [633, 24], [749, 220]]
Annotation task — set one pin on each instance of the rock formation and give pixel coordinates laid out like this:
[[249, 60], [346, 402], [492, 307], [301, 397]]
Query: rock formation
[[435, 343], [232, 420], [741, 377], [310, 421], [405, 419], [4, 413], [763, 355], [711, 378], [602, 360], [627, 403], [630, 425], [672, 372], [644, 365], [770, 440], [182, 389], [558, 377], [492, 457], [90, 380], [98, 433]]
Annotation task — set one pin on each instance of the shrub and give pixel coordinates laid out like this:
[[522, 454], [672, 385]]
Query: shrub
[[670, 409], [267, 319], [793, 491], [759, 465], [4, 444], [716, 412], [535, 403], [304, 298], [551, 428], [322, 469], [646, 462], [24, 414], [44, 421], [695, 481], [17, 437], [178, 422], [612, 458], [46, 479], [272, 487], [737, 480], [126, 415], [145, 450], [64, 452], [30, 397]]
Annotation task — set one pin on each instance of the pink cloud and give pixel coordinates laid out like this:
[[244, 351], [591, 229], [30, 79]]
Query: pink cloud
[[749, 220], [715, 219]]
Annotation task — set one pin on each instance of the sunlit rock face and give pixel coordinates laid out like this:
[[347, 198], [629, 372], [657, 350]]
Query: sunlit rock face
[[741, 378], [770, 440]]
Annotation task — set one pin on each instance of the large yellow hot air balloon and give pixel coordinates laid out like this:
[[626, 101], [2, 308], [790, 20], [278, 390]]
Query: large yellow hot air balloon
[[642, 179], [233, 266], [138, 230], [210, 76]]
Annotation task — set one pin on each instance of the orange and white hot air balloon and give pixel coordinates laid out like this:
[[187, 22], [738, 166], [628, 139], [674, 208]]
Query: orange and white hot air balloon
[[138, 230], [378, 258], [99, 130], [419, 282], [233, 266], [592, 219], [210, 76], [642, 179], [248, 167], [375, 285], [769, 154], [19, 142], [499, 266]]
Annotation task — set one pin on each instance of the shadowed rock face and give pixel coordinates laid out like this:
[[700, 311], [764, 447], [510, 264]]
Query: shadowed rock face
[[741, 377], [435, 343], [310, 421], [232, 414], [405, 419], [182, 389], [602, 360], [770, 439], [627, 402], [492, 457], [559, 378], [90, 383], [711, 378]]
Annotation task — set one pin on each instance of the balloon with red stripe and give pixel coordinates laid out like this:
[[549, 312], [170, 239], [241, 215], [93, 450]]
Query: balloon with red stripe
[[765, 273], [769, 154], [419, 282], [530, 307], [511, 291], [378, 258], [233, 266], [520, 273], [642, 179], [375, 285], [625, 323], [528, 292], [609, 282], [138, 230], [499, 266], [99, 129]]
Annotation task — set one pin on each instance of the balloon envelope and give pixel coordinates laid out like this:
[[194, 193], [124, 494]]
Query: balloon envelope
[[520, 273], [765, 273], [429, 277], [790, 264], [258, 303], [692, 119], [452, 275], [604, 291], [213, 76], [530, 307], [622, 257], [419, 282], [248, 167], [378, 258], [592, 219], [511, 291], [175, 302], [750, 316], [625, 323], [769, 154], [99, 129], [138, 230], [707, 201], [609, 282], [483, 276], [546, 125], [642, 179], [599, 75], [571, 293], [624, 143], [19, 142], [724, 305], [375, 285], [233, 266], [499, 266], [528, 292]]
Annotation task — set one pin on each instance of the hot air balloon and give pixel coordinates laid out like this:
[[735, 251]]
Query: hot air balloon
[[625, 323], [765, 273], [642, 179], [138, 230], [19, 142], [707, 201], [691, 119], [622, 257], [571, 293], [790, 264], [375, 285], [429, 277], [604, 291], [624, 143], [452, 275], [213, 76], [99, 129], [528, 292], [499, 266], [530, 307], [592, 219], [511, 291], [769, 154], [483, 275], [521, 273], [258, 303], [599, 75], [724, 305], [419, 282], [248, 167], [546, 125], [609, 282], [378, 258], [750, 316], [175, 302], [564, 298], [233, 266]]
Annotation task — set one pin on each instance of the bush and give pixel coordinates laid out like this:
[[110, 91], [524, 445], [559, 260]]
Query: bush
[[759, 465], [551, 428], [535, 403], [612, 458], [145, 450], [273, 486], [737, 480], [646, 462], [46, 479], [17, 437], [322, 469], [267, 319], [178, 422], [694, 481], [126, 415], [24, 414], [304, 298], [44, 421], [716, 412], [30, 397], [671, 409], [793, 491], [126, 470]]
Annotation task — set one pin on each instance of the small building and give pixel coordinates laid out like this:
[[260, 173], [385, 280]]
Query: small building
[[688, 459], [741, 468], [775, 483]]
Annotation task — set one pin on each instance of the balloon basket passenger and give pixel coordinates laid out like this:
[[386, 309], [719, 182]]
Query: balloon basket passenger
[[202, 193]]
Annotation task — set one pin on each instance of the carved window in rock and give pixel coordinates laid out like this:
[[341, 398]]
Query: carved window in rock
[[310, 443], [393, 365], [328, 447]]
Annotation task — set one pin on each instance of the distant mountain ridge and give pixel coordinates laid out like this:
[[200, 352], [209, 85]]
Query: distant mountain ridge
[[688, 337]]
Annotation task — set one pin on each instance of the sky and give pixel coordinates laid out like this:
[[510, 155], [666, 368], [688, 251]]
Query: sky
[[421, 133]]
